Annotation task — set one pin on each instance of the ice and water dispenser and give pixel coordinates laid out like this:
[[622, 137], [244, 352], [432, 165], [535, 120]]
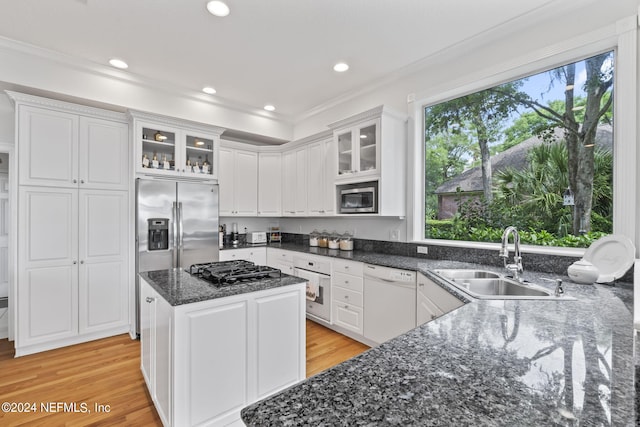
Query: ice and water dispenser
[[158, 233]]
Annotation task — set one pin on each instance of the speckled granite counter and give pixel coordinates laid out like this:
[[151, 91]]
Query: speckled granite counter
[[179, 287], [490, 362]]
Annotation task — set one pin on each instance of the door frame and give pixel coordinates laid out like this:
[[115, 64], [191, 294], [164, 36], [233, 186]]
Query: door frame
[[10, 150]]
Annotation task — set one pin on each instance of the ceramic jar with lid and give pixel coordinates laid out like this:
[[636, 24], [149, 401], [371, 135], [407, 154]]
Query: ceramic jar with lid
[[334, 241], [323, 239], [583, 271], [346, 242], [313, 238]]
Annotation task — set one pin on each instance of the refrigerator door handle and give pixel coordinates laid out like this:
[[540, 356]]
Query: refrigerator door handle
[[180, 235], [174, 251]]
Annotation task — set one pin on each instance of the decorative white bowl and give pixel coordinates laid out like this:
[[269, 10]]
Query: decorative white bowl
[[583, 271]]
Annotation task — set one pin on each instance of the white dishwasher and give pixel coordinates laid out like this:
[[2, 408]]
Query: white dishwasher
[[389, 302]]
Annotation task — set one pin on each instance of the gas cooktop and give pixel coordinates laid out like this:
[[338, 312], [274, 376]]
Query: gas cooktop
[[225, 273]]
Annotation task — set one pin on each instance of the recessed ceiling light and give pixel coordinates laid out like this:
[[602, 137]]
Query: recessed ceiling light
[[209, 90], [269, 107], [340, 67], [218, 8], [118, 63]]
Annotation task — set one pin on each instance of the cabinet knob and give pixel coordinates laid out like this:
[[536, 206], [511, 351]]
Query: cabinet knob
[[75, 262], [82, 181], [81, 261], [421, 285], [346, 282], [346, 306], [75, 181], [346, 267], [346, 297], [433, 317], [150, 300]]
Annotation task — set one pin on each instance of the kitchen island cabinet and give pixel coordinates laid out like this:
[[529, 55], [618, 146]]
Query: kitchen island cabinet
[[207, 352]]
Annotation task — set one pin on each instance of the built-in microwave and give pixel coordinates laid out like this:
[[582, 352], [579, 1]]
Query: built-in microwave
[[357, 198]]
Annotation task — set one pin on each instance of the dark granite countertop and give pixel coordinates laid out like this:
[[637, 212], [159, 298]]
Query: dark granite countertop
[[490, 362], [179, 287]]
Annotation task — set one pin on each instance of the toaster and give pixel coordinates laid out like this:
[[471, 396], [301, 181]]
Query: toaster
[[256, 237]]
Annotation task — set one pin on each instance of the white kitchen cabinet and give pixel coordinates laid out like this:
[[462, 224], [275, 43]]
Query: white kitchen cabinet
[[171, 147], [347, 286], [216, 357], [432, 300], [269, 184], [63, 149], [72, 277], [257, 255], [294, 182], [238, 182], [73, 222], [321, 178], [156, 348], [280, 259], [372, 146]]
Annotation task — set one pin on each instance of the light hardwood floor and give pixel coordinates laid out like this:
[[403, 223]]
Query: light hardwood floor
[[107, 372]]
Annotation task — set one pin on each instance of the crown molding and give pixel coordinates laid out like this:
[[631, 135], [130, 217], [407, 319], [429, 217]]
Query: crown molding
[[38, 101], [173, 121]]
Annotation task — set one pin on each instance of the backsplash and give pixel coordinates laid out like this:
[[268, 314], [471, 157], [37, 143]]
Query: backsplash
[[535, 262]]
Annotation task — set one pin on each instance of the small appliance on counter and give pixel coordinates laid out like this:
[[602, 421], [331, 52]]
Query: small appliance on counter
[[256, 237]]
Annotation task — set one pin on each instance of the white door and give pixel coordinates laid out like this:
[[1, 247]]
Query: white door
[[246, 183], [103, 156], [315, 179], [103, 287], [48, 149], [226, 180], [48, 257], [269, 184]]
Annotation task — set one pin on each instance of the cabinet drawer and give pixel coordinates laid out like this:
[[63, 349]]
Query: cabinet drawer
[[347, 296], [280, 255], [348, 316], [347, 281], [313, 263], [349, 267]]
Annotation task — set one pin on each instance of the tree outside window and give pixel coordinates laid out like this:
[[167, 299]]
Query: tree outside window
[[508, 154]]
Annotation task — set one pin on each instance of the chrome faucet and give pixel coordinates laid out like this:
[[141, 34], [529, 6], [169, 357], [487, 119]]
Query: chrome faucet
[[516, 268]]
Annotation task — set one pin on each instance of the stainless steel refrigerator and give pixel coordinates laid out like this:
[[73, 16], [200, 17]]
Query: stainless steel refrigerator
[[177, 226]]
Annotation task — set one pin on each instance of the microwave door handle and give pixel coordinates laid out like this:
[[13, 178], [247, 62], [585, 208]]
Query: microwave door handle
[[174, 249]]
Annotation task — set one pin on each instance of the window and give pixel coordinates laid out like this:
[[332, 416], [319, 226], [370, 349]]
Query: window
[[536, 153]]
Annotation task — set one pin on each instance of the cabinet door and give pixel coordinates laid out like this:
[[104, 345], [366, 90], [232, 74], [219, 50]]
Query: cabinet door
[[330, 172], [201, 150], [147, 331], [289, 172], [103, 154], [315, 178], [163, 359], [348, 316], [367, 141], [48, 271], [280, 341], [269, 184], [226, 181], [103, 289], [301, 181], [158, 151], [345, 157], [426, 310], [246, 183], [48, 149]]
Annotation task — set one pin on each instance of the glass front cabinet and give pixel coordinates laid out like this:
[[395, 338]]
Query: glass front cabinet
[[358, 149], [171, 147]]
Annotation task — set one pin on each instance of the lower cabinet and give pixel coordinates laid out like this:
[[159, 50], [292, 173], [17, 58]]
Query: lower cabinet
[[204, 362], [72, 267], [280, 259], [347, 296], [257, 255], [433, 301]]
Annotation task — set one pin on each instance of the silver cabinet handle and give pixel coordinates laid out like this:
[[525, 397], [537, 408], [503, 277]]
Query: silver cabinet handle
[[150, 300], [421, 285], [346, 297], [346, 282], [346, 306], [75, 262], [75, 181], [434, 317], [81, 261], [82, 181], [346, 267]]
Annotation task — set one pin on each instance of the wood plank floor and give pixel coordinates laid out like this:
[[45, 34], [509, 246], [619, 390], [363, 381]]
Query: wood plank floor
[[107, 372]]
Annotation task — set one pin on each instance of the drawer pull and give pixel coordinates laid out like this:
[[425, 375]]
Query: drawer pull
[[346, 267], [346, 297], [150, 300], [346, 282], [346, 306]]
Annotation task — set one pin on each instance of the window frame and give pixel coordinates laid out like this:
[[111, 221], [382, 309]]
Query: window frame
[[622, 39]]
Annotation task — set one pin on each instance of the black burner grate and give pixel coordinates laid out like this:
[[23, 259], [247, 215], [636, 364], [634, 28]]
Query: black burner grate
[[225, 273]]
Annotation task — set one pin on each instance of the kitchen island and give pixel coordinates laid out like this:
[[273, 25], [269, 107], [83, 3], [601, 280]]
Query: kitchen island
[[490, 362], [207, 351]]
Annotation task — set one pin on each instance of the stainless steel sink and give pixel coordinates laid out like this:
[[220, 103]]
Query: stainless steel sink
[[489, 285]]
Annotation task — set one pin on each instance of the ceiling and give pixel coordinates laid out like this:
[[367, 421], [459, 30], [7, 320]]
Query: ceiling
[[278, 52]]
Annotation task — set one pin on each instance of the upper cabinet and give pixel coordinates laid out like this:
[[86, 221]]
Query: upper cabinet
[[238, 182], [59, 148], [369, 142], [172, 147], [358, 149]]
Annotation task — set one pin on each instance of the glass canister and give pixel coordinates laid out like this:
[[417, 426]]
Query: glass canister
[[346, 242], [313, 238], [334, 240], [323, 239]]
